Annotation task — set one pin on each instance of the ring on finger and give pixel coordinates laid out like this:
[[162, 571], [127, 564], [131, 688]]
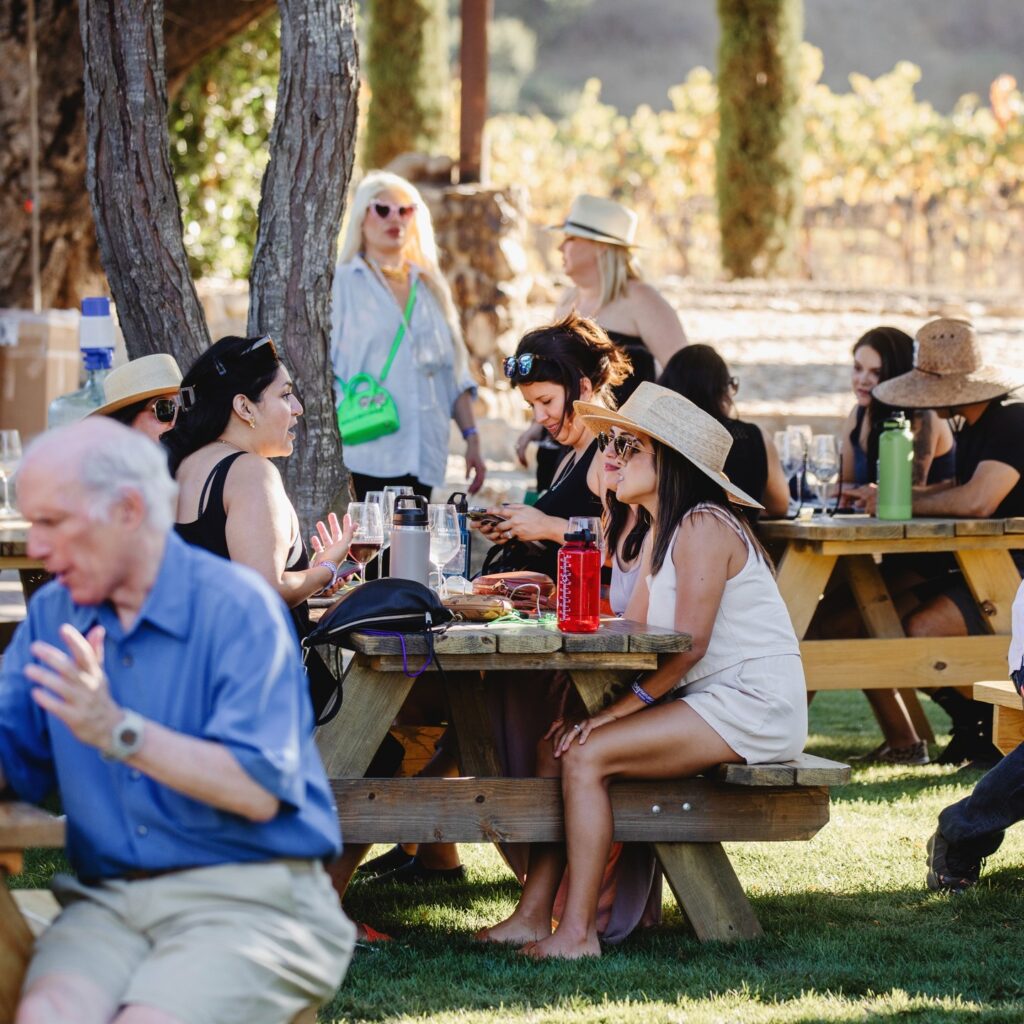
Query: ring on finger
[[577, 727]]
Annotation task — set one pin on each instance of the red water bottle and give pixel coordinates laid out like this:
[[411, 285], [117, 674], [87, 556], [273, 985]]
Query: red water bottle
[[579, 584]]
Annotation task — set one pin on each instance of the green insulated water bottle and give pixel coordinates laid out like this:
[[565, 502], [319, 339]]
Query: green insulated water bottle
[[895, 469]]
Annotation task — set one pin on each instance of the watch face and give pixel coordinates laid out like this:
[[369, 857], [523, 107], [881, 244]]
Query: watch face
[[129, 736]]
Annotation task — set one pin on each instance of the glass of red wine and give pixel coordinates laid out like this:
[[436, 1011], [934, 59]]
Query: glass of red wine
[[369, 534]]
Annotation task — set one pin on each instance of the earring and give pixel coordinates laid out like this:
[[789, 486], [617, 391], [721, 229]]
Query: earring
[[252, 424]]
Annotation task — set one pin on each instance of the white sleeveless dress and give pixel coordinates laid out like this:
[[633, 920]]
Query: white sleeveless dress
[[749, 686]]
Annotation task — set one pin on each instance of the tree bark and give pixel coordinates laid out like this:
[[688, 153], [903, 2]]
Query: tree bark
[[70, 258], [128, 173], [312, 145]]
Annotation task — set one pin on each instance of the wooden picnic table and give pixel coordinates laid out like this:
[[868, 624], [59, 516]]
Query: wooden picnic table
[[686, 819], [1007, 712], [816, 548], [14, 545]]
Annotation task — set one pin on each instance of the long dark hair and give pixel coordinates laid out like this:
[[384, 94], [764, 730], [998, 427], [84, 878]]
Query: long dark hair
[[569, 350], [681, 487], [229, 367], [895, 348], [699, 373], [616, 515]]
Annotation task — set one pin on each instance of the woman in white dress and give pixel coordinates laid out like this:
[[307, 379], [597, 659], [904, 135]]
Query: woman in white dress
[[388, 273], [737, 695]]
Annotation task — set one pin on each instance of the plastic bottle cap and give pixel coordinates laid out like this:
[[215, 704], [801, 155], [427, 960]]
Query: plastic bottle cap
[[99, 306]]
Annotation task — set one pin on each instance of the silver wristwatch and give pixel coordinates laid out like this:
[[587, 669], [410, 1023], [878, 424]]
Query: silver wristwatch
[[126, 737]]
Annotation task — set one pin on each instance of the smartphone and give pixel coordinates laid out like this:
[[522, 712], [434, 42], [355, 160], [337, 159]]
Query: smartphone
[[482, 515]]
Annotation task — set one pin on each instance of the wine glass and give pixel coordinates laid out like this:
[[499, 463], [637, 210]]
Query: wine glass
[[445, 537], [368, 536], [387, 510], [823, 464], [792, 453], [592, 524], [10, 456], [380, 498]]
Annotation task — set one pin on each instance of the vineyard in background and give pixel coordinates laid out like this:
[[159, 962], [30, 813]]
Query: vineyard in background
[[895, 193]]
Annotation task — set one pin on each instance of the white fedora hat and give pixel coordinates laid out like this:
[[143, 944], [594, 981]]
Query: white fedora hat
[[675, 421], [602, 220], [949, 370], [138, 380]]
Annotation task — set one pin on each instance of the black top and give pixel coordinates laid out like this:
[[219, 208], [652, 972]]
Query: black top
[[643, 364], [997, 436], [746, 465], [943, 467], [210, 531]]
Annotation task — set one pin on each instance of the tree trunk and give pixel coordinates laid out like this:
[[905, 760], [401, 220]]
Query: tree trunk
[[128, 172], [70, 258], [760, 135], [302, 200], [408, 77]]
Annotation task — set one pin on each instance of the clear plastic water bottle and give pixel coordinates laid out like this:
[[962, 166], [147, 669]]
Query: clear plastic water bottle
[[579, 584], [96, 343]]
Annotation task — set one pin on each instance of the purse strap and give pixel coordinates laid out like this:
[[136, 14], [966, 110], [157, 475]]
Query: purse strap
[[400, 333]]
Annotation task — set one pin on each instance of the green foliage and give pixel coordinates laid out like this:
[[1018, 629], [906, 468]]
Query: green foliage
[[219, 124], [760, 134], [408, 78], [512, 47]]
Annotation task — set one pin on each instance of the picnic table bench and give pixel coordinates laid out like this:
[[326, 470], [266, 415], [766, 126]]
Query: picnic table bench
[[1007, 712], [687, 820]]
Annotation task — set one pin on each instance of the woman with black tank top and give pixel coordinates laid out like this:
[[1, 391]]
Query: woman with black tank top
[[599, 236], [700, 374]]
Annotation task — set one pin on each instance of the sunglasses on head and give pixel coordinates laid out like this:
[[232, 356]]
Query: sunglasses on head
[[520, 366], [164, 409], [623, 445], [384, 210], [262, 348]]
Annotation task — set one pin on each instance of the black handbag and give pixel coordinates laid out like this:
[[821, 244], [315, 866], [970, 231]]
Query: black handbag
[[384, 607]]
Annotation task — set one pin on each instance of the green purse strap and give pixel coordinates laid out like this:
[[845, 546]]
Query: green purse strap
[[397, 343]]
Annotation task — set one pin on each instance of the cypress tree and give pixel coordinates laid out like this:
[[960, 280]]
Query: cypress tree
[[760, 135], [408, 77]]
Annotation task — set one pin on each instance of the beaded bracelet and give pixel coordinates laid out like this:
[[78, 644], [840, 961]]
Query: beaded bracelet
[[469, 432], [335, 573], [642, 693]]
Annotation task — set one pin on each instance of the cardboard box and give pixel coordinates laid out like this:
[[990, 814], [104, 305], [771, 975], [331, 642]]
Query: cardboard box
[[44, 362]]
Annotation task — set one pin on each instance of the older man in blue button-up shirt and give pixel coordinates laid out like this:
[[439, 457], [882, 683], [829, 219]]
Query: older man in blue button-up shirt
[[158, 688]]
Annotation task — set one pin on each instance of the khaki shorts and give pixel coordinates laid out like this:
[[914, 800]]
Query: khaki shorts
[[245, 943]]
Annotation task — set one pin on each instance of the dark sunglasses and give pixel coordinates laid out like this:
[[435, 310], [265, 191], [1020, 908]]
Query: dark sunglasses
[[520, 366], [384, 210], [623, 445], [164, 409]]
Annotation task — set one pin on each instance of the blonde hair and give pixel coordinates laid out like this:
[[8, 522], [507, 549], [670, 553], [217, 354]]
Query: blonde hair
[[420, 247], [615, 265]]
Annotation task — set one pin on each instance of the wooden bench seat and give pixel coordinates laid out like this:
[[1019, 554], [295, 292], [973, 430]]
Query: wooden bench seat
[[1007, 712], [687, 820]]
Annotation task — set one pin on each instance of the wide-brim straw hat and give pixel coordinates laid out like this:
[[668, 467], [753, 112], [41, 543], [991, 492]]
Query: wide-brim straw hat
[[949, 370], [602, 220], [675, 421], [141, 379]]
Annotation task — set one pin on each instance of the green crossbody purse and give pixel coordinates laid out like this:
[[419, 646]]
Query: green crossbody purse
[[366, 409]]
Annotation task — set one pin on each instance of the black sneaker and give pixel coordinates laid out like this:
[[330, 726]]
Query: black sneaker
[[396, 857], [946, 877], [415, 873]]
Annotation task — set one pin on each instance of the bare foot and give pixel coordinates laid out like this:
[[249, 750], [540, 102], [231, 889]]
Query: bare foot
[[561, 947], [514, 930]]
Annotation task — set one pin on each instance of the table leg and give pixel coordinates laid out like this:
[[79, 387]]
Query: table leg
[[994, 581], [597, 687], [708, 891], [472, 722], [882, 621], [371, 701], [802, 577], [1007, 728], [15, 952]]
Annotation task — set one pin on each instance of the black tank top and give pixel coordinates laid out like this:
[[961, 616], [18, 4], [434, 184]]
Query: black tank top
[[747, 462], [209, 531], [643, 364]]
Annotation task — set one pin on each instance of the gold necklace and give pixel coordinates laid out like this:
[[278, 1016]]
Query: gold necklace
[[231, 444], [399, 274]]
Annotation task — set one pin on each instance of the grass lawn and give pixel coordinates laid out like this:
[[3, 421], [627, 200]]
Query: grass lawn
[[851, 933]]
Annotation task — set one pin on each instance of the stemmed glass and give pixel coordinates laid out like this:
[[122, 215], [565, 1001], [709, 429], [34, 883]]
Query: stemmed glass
[[369, 534], [792, 453], [387, 511], [379, 498], [823, 465], [445, 538], [10, 456]]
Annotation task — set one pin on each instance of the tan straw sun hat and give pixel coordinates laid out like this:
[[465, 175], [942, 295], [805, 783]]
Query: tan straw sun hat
[[675, 421], [138, 380], [949, 370], [602, 220]]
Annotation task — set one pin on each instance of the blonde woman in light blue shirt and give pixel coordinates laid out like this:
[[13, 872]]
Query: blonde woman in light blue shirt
[[388, 248]]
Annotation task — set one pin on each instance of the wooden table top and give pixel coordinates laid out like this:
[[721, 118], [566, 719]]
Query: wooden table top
[[615, 636], [864, 527], [13, 536]]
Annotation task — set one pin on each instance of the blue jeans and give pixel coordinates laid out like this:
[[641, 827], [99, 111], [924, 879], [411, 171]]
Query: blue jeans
[[974, 826]]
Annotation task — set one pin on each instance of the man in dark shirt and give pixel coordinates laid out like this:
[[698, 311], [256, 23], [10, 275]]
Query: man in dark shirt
[[951, 377]]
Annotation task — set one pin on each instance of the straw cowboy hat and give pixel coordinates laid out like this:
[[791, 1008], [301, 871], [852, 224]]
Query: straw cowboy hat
[[949, 370], [675, 421], [602, 220], [138, 380]]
